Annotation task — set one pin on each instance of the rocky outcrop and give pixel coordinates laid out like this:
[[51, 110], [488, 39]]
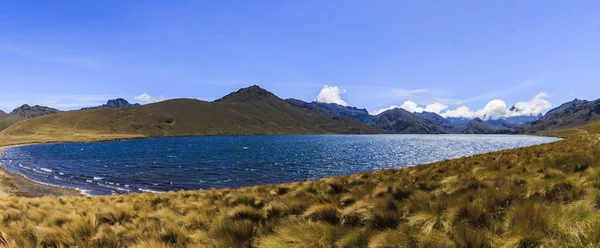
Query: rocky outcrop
[[115, 103]]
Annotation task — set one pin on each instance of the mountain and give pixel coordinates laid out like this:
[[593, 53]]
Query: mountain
[[468, 126], [114, 103], [398, 120], [251, 110], [513, 121], [22, 113], [391, 121], [445, 124], [520, 120], [401, 121], [459, 120], [478, 126], [571, 114], [27, 111], [333, 109]]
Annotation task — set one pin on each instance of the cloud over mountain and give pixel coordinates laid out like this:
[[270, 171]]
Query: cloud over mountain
[[147, 98], [331, 94], [411, 106], [538, 104], [494, 109]]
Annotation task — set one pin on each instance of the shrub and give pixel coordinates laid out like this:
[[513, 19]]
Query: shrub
[[244, 212], [301, 233], [465, 236], [323, 212], [230, 233], [474, 214], [527, 217], [358, 214], [357, 238], [392, 239]]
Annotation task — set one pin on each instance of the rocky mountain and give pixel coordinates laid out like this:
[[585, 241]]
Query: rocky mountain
[[468, 126], [478, 126], [391, 121], [445, 124], [401, 121], [333, 109], [27, 111], [251, 110], [570, 114], [398, 120], [24, 112], [114, 103], [458, 120]]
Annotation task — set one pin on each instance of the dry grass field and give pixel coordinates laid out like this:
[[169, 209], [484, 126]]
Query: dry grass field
[[541, 196]]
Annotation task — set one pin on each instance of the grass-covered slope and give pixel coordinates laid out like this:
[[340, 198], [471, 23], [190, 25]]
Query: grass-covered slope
[[547, 195], [22, 113], [249, 111]]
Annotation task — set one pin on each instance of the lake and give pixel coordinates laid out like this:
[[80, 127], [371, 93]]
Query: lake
[[203, 162]]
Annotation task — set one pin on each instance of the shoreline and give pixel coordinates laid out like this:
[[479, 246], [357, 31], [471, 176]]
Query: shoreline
[[16, 184]]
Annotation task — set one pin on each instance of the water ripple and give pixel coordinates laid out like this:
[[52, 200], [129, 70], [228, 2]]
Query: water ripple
[[162, 164]]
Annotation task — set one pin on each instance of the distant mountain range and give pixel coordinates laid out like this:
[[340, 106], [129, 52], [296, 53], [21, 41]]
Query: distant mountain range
[[398, 120], [251, 110], [254, 110]]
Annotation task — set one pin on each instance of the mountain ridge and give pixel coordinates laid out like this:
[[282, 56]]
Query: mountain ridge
[[251, 110], [568, 115], [398, 120], [254, 110]]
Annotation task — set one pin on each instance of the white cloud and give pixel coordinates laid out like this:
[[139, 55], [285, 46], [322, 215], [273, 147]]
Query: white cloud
[[496, 109], [331, 94], [538, 104], [462, 112], [412, 107], [146, 98], [435, 107]]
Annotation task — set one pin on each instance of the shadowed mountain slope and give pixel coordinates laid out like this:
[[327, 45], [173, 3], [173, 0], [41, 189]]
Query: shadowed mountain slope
[[333, 109], [571, 114], [401, 121], [250, 110], [391, 121]]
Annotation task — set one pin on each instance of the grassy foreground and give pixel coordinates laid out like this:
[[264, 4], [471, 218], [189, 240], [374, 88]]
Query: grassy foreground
[[547, 195]]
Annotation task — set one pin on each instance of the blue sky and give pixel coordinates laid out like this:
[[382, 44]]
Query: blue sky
[[371, 54]]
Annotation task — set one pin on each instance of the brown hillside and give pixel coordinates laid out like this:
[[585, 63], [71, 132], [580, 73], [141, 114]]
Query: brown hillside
[[249, 111], [22, 113]]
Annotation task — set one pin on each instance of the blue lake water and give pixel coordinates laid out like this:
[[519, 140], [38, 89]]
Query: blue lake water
[[162, 164]]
